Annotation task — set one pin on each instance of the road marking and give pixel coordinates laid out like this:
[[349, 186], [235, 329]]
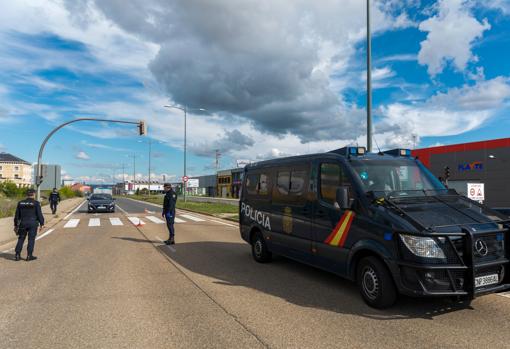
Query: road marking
[[123, 211], [73, 211], [178, 220], [505, 294], [193, 218], [220, 222], [116, 221], [45, 234], [155, 219], [72, 223], [94, 222], [136, 221], [169, 247]]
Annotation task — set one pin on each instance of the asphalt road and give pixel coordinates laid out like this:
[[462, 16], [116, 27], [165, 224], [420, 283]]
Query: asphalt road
[[107, 283]]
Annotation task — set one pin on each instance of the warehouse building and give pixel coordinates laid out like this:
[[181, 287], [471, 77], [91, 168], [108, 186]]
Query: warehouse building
[[479, 170]]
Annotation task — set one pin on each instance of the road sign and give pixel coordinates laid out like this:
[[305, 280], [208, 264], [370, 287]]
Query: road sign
[[476, 191], [185, 179], [193, 183]]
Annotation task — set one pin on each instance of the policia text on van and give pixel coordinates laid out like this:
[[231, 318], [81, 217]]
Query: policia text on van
[[382, 220]]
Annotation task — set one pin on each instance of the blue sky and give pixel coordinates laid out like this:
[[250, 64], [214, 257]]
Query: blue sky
[[275, 79]]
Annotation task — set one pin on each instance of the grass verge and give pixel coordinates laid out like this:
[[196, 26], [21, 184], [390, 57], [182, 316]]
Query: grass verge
[[219, 210]]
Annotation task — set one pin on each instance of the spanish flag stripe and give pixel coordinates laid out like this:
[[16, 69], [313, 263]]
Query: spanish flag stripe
[[347, 228], [336, 240], [335, 230]]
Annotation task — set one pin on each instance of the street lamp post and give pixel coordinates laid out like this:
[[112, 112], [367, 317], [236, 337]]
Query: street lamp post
[[141, 126], [369, 81], [185, 110]]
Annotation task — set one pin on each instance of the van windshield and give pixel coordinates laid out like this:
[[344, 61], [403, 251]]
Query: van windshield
[[402, 176]]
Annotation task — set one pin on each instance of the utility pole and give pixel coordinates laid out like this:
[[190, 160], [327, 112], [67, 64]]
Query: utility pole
[[218, 154], [369, 81], [123, 179]]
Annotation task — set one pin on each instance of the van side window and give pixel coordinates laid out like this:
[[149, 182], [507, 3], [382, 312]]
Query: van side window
[[332, 177], [283, 182], [258, 184], [252, 182], [297, 182]]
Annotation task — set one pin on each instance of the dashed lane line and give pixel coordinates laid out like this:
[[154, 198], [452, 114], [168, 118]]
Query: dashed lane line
[[94, 222], [72, 223], [116, 221], [193, 218], [155, 219], [136, 221]]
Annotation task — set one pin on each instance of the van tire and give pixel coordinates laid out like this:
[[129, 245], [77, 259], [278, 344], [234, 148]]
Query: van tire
[[375, 283], [259, 249]]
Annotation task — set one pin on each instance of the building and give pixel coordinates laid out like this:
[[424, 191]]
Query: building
[[155, 186], [85, 189], [229, 182], [52, 176], [202, 185], [15, 170], [484, 163]]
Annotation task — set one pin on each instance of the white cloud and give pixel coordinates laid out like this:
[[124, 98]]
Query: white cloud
[[81, 155], [451, 34], [456, 111]]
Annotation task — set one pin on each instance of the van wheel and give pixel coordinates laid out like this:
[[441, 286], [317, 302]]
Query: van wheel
[[259, 249], [375, 283]]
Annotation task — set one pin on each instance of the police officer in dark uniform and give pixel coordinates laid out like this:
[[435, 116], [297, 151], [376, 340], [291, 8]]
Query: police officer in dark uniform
[[27, 220], [54, 200], [169, 211]]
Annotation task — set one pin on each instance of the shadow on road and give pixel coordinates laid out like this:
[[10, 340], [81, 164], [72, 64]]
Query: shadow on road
[[297, 283], [136, 240], [8, 256]]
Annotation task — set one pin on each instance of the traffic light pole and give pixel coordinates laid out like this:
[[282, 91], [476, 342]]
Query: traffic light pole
[[38, 179]]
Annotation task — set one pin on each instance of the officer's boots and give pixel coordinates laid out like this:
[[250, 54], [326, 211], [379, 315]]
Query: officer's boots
[[17, 257], [31, 258]]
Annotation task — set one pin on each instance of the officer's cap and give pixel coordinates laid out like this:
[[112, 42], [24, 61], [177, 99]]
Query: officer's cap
[[30, 192], [167, 185]]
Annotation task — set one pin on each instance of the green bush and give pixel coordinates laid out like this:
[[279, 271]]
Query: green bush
[[10, 190], [66, 193]]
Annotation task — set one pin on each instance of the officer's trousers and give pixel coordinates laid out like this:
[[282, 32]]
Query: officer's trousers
[[23, 232], [53, 206], [170, 217]]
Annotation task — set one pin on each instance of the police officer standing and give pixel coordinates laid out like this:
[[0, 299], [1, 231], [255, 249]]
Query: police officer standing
[[27, 220], [54, 200], [169, 211]]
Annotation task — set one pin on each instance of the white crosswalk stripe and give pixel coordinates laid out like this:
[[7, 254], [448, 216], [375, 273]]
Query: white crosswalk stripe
[[178, 220], [94, 222], [136, 221], [116, 221], [193, 218], [155, 219], [72, 223]]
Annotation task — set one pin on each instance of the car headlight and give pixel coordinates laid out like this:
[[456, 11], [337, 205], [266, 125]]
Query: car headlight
[[422, 246]]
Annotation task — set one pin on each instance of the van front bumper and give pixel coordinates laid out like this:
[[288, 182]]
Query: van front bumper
[[464, 272]]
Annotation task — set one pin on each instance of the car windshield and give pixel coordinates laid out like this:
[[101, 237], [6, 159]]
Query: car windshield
[[402, 176], [101, 197]]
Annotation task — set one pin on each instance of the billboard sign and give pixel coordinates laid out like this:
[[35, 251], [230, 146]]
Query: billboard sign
[[193, 183]]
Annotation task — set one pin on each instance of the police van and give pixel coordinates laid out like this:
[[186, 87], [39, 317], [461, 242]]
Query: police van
[[381, 220]]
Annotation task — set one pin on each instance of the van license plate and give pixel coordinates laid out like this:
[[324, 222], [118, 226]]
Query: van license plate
[[486, 280]]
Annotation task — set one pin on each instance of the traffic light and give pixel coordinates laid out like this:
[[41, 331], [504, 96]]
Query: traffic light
[[142, 128], [38, 180], [447, 172]]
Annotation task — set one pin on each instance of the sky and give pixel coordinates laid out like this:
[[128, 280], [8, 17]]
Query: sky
[[260, 78]]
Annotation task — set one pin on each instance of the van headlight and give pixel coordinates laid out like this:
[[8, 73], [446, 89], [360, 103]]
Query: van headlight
[[422, 246]]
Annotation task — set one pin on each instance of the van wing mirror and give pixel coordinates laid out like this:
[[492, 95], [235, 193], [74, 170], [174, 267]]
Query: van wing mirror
[[342, 198]]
